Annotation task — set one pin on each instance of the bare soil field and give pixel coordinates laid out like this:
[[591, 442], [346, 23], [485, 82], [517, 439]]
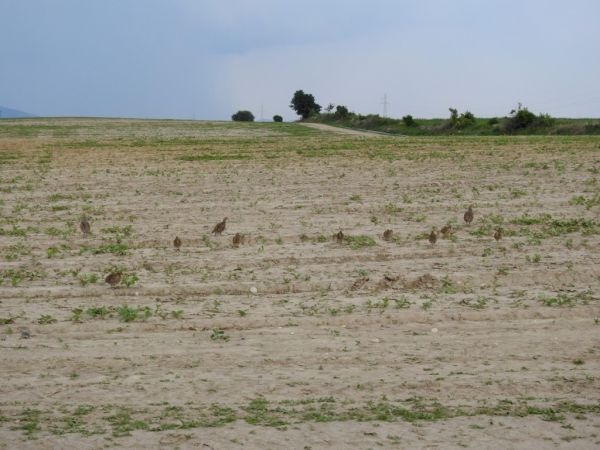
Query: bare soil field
[[295, 339]]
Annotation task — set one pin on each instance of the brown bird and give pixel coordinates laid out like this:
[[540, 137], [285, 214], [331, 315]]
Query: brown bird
[[498, 234], [446, 230], [388, 235], [469, 215], [433, 236], [84, 225], [359, 283], [177, 243], [114, 278], [339, 237], [237, 240], [220, 227]]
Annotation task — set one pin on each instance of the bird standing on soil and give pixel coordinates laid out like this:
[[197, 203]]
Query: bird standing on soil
[[498, 234], [433, 236], [469, 215], [84, 225], [237, 240], [177, 243], [388, 235], [339, 237], [114, 278], [220, 227], [359, 283], [446, 230]]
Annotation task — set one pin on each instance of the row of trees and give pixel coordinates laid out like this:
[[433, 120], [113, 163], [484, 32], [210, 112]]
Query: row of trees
[[520, 118], [305, 105]]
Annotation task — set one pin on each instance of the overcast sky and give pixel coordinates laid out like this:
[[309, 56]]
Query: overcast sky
[[208, 58]]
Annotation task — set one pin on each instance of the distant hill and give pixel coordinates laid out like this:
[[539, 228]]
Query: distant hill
[[12, 113]]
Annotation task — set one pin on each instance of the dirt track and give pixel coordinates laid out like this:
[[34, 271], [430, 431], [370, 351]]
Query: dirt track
[[339, 130], [365, 343]]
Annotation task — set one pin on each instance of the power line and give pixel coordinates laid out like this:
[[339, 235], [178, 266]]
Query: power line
[[385, 105]]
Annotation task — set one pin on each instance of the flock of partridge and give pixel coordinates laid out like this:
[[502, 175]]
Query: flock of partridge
[[114, 278], [447, 229]]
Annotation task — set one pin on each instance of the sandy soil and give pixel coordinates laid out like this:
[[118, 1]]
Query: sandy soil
[[294, 340]]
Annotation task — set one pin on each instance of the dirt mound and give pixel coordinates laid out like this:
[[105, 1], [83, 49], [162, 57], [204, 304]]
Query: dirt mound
[[426, 281]]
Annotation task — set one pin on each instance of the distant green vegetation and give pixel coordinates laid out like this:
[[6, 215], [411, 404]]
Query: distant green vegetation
[[243, 116], [520, 121]]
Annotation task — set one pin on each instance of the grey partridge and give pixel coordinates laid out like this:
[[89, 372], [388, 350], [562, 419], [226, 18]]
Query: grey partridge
[[114, 278], [177, 243], [84, 225], [446, 230], [359, 283], [433, 236], [469, 215], [388, 235], [220, 227], [237, 240], [498, 234]]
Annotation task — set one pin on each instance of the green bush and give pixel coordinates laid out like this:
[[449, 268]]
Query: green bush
[[460, 121], [523, 119], [277, 118], [520, 118], [592, 128], [341, 112], [409, 121], [544, 120], [243, 116]]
